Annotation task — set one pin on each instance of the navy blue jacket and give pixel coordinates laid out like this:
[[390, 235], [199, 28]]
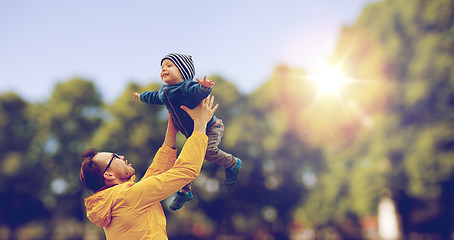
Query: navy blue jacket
[[188, 93]]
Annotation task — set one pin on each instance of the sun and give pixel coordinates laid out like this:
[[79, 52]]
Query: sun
[[329, 81]]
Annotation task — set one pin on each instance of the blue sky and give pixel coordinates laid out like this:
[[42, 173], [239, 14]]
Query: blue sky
[[113, 42]]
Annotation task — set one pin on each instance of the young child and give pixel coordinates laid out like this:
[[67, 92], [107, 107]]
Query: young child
[[177, 73]]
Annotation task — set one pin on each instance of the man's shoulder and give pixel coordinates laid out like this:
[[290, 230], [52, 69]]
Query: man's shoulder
[[122, 190]]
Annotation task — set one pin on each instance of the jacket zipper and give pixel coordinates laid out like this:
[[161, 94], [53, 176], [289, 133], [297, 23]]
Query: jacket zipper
[[181, 124]]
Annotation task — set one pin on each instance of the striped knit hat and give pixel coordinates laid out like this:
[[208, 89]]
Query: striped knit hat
[[184, 64]]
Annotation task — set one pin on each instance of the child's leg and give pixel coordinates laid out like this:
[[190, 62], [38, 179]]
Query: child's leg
[[181, 198], [186, 189], [214, 154]]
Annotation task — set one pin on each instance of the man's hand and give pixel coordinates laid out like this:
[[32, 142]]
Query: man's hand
[[136, 95], [206, 83], [202, 113]]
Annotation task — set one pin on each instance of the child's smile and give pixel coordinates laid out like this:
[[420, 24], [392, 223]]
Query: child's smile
[[170, 73]]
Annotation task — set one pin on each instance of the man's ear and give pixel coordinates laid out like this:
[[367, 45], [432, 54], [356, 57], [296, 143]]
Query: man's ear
[[108, 176]]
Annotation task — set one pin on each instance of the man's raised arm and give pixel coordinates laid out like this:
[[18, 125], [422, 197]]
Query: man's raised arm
[[188, 165]]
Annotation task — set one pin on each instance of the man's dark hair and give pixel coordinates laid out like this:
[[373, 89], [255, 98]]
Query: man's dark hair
[[91, 174]]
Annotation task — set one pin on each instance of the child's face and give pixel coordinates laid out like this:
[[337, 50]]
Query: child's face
[[170, 73]]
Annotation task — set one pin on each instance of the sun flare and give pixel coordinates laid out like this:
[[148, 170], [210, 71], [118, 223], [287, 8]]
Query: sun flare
[[329, 81]]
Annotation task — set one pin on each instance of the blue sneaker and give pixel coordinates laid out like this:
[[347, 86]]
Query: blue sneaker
[[180, 200], [232, 174]]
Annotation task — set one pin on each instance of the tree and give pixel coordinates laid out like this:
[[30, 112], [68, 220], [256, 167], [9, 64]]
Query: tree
[[67, 121], [20, 204], [406, 145]]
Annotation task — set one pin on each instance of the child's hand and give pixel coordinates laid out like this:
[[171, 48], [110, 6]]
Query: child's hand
[[136, 95], [206, 83]]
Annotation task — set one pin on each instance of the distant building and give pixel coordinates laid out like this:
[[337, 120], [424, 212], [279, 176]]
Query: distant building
[[388, 223]]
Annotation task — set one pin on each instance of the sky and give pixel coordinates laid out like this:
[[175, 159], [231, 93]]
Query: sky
[[114, 42]]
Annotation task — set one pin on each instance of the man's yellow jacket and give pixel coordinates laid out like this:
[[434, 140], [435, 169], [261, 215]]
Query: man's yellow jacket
[[132, 210]]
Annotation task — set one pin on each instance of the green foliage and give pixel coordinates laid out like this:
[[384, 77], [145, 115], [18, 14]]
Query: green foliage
[[18, 170], [17, 128], [402, 53], [66, 122], [427, 161]]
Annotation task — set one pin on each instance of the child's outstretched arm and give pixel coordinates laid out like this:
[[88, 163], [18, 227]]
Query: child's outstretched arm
[[148, 97], [136, 95], [205, 83]]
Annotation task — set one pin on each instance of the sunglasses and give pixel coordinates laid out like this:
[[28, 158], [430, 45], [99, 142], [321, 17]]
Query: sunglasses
[[113, 156]]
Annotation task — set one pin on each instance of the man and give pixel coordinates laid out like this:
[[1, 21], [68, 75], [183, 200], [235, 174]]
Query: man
[[128, 210]]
